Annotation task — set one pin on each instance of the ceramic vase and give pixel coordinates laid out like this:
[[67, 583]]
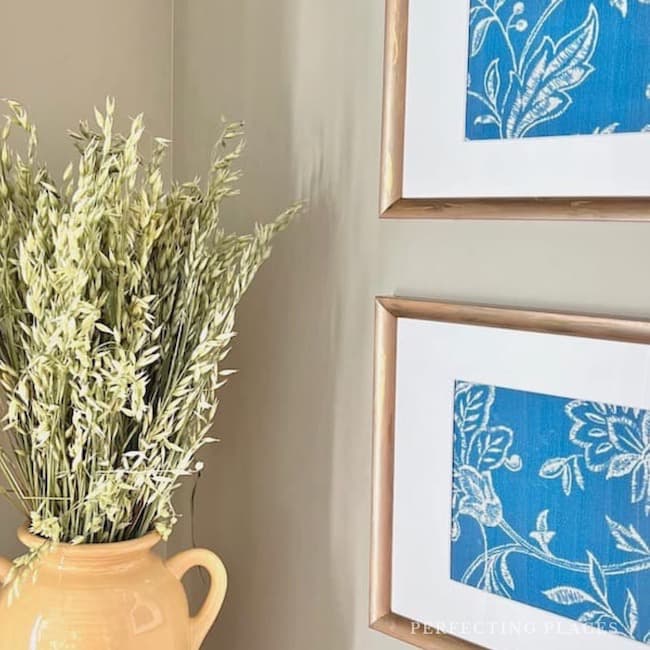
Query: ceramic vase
[[120, 596]]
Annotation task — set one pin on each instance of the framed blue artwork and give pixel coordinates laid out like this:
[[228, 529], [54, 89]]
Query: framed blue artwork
[[511, 478], [516, 109]]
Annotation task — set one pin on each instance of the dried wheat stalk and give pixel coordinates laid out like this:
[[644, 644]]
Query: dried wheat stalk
[[117, 305]]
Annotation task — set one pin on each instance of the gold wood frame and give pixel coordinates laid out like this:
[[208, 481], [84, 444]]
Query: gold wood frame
[[394, 205], [387, 312]]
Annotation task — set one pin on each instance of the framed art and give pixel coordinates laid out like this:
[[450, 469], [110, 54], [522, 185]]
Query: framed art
[[516, 109], [511, 478]]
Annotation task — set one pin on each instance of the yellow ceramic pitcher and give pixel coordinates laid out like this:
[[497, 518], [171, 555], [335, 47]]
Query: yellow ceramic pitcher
[[118, 596]]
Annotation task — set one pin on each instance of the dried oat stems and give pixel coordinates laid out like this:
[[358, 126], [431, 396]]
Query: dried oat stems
[[117, 306]]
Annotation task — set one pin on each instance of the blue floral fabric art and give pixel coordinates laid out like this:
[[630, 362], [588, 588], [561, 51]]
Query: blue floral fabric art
[[557, 68], [551, 504]]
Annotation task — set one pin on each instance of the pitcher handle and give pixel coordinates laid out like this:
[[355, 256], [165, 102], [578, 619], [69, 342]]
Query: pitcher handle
[[179, 565], [5, 568]]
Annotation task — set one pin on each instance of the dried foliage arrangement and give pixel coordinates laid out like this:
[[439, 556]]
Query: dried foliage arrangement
[[117, 306]]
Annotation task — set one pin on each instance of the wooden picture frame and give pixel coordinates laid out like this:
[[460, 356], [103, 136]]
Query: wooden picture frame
[[393, 204], [388, 311]]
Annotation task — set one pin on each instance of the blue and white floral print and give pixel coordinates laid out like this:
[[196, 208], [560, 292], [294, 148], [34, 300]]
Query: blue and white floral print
[[612, 439], [551, 504], [557, 68]]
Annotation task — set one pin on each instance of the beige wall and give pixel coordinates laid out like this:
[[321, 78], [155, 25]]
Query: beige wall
[[62, 58], [286, 495]]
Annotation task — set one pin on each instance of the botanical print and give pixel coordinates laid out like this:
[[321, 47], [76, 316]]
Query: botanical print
[[557, 68], [551, 504]]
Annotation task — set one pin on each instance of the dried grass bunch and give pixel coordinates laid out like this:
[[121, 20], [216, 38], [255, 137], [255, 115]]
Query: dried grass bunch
[[117, 305]]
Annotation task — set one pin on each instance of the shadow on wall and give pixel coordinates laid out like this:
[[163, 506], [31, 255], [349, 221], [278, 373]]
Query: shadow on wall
[[265, 501], [10, 519]]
